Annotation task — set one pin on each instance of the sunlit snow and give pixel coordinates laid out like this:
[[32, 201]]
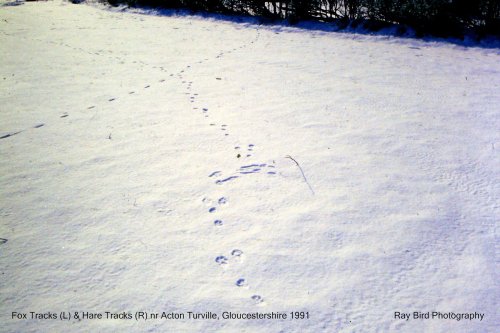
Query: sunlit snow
[[179, 163]]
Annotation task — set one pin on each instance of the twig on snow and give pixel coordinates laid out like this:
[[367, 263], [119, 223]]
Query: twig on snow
[[301, 171]]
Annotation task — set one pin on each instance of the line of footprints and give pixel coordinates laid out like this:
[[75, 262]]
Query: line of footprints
[[235, 255], [241, 151], [110, 55], [65, 114]]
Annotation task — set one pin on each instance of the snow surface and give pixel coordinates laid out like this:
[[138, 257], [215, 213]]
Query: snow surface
[[118, 190]]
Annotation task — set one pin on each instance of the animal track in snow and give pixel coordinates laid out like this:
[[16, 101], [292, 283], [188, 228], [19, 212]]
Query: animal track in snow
[[245, 170], [9, 135], [221, 260], [215, 173], [219, 177], [39, 125], [241, 282], [257, 299], [222, 181], [251, 168], [236, 253]]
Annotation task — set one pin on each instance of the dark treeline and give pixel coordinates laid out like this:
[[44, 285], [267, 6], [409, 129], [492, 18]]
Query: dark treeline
[[438, 17]]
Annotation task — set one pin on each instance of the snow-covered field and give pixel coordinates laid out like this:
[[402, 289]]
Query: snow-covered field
[[148, 163]]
